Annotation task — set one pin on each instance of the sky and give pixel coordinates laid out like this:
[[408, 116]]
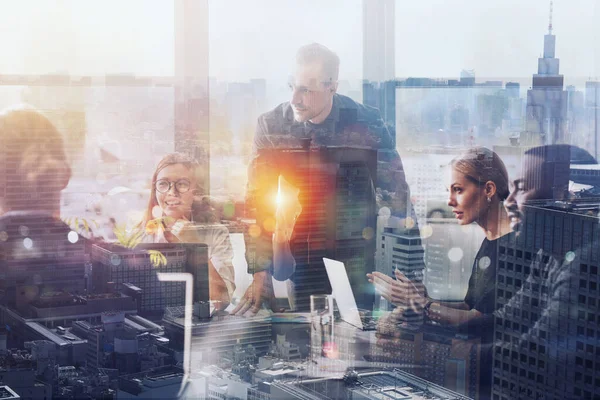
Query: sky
[[434, 38]]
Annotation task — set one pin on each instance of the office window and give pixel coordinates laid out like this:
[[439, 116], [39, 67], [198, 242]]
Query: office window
[[583, 268]]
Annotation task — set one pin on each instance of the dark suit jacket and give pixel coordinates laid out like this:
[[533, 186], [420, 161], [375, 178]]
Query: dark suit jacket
[[349, 124]]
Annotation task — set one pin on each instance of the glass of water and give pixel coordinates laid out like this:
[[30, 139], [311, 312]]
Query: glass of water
[[322, 341]]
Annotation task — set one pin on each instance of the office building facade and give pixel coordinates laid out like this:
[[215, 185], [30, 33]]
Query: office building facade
[[548, 290]]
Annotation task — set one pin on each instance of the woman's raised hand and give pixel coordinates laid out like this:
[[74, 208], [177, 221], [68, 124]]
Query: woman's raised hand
[[401, 291]]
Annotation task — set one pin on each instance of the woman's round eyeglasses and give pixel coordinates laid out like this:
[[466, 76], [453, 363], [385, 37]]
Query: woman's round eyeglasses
[[164, 185]]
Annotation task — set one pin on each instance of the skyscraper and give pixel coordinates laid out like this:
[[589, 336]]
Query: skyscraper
[[546, 344], [244, 102], [191, 82], [379, 68], [546, 110], [515, 106], [214, 338], [402, 250], [118, 265], [592, 110], [378, 40]]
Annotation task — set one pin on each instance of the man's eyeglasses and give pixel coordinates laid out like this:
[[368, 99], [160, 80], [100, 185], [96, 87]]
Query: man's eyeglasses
[[164, 185]]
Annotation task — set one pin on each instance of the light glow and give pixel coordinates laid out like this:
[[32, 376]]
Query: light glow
[[278, 197]]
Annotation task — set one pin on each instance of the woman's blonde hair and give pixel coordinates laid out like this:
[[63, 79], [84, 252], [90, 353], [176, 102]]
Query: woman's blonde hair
[[480, 165]]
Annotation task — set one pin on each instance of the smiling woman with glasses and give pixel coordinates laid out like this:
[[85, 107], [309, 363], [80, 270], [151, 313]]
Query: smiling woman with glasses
[[178, 212]]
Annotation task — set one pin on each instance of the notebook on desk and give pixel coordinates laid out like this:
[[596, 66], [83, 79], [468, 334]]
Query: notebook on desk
[[344, 296]]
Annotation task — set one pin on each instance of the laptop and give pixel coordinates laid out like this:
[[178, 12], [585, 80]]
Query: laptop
[[344, 296]]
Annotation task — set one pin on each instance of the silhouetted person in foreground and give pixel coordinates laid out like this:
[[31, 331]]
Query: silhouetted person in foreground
[[552, 317], [40, 254]]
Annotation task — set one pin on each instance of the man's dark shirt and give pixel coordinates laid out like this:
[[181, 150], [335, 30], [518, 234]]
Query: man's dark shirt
[[349, 124]]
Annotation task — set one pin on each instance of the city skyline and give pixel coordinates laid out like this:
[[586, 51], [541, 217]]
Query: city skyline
[[467, 35]]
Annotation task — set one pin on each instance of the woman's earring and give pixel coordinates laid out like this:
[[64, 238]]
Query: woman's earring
[[489, 199]]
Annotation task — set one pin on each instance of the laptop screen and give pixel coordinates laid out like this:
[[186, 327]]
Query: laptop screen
[[342, 292]]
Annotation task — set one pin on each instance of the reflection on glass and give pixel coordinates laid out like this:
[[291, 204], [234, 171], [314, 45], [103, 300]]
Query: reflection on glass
[[482, 281], [322, 340]]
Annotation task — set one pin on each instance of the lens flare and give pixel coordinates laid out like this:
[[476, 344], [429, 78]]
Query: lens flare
[[455, 254], [115, 260], [254, 231], [269, 224], [229, 210], [426, 231], [385, 212], [73, 237], [368, 233], [27, 243], [484, 262], [23, 230]]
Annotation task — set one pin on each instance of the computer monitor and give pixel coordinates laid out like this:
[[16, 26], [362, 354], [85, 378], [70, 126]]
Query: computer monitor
[[139, 266], [195, 261]]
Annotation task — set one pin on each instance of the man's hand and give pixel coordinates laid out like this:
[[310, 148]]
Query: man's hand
[[401, 291], [217, 288], [259, 292], [288, 210]]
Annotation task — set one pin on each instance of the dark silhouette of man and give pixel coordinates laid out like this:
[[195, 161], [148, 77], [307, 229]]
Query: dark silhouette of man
[[39, 252]]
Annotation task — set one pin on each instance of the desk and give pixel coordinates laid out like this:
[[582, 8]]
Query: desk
[[430, 353]]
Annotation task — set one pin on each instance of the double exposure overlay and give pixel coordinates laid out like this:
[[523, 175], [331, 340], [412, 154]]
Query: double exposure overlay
[[267, 199]]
